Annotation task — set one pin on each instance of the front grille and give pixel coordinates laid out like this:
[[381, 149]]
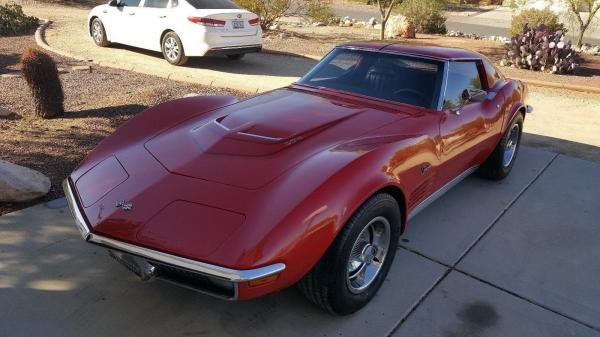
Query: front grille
[[206, 284]]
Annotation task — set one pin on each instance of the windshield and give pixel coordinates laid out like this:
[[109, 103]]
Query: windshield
[[213, 4], [405, 79]]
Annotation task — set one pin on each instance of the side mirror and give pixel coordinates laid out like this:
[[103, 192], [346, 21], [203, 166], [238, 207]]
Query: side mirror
[[474, 95], [113, 3]]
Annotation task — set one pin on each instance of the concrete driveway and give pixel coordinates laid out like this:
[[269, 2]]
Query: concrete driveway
[[519, 257]]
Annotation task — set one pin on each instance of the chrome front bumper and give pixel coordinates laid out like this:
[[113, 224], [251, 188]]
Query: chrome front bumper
[[163, 261]]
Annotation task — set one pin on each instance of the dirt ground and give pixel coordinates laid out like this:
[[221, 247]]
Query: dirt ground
[[96, 104]]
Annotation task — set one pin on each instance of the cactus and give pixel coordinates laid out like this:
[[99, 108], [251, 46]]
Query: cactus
[[39, 70], [537, 49]]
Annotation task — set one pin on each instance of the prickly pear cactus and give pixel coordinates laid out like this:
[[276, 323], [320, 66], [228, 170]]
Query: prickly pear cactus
[[537, 49]]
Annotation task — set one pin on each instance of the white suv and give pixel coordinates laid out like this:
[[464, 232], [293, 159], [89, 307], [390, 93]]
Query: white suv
[[178, 28]]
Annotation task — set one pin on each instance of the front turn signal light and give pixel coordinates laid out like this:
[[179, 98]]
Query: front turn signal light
[[263, 280]]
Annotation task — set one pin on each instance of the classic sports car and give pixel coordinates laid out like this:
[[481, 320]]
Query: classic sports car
[[309, 184]]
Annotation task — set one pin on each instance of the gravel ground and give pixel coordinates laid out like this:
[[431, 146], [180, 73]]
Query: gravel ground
[[96, 104], [317, 41]]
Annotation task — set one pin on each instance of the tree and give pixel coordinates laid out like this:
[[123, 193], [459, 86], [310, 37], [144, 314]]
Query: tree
[[573, 7], [385, 9]]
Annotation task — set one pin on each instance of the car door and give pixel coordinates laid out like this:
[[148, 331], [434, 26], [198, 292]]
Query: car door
[[151, 19], [466, 126], [122, 22]]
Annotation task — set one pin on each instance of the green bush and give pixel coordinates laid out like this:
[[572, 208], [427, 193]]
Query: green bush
[[269, 11], [319, 11], [534, 17], [426, 15], [13, 21]]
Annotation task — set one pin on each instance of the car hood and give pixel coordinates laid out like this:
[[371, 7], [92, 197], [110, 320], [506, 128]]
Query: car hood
[[251, 143]]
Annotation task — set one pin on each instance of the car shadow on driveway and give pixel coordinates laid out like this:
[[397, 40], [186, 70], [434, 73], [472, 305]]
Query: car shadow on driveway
[[264, 64], [562, 146]]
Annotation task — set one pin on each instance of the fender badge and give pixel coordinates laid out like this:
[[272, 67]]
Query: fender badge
[[126, 206]]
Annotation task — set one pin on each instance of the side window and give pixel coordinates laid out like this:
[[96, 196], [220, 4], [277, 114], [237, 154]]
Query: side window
[[461, 76], [156, 3], [130, 3]]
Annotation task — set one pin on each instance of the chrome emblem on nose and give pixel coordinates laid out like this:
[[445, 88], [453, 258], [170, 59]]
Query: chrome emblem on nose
[[126, 206], [239, 16]]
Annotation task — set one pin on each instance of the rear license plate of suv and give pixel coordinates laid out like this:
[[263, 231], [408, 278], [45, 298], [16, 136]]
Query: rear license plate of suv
[[238, 24]]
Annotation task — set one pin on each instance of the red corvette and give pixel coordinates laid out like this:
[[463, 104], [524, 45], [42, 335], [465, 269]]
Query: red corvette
[[309, 184]]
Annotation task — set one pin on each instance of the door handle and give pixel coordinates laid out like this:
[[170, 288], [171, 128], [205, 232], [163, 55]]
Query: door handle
[[162, 16], [130, 13], [104, 11], [455, 111]]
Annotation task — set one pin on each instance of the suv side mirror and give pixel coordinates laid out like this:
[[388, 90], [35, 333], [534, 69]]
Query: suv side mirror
[[113, 3], [474, 95]]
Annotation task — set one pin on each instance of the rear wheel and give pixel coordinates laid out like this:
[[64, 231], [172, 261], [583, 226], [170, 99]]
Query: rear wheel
[[501, 161], [98, 33], [354, 267], [172, 49], [235, 57]]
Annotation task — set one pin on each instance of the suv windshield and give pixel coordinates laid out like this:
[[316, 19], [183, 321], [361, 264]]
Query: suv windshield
[[213, 4], [400, 78]]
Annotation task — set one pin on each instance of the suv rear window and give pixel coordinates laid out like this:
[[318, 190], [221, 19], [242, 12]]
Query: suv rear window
[[213, 4]]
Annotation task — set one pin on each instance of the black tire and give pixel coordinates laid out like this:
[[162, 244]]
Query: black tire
[[172, 49], [99, 33], [496, 167], [328, 284], [235, 57]]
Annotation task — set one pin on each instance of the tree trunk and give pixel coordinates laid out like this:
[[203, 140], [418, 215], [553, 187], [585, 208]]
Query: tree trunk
[[383, 22], [580, 37]]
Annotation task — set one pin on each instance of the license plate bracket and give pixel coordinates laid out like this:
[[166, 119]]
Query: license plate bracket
[[237, 24]]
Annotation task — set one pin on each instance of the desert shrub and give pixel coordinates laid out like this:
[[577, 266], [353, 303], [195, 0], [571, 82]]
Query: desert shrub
[[319, 11], [269, 11], [13, 21], [425, 15], [540, 50], [535, 17], [39, 70]]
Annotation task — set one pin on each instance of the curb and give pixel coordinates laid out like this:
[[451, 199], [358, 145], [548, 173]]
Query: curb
[[40, 40]]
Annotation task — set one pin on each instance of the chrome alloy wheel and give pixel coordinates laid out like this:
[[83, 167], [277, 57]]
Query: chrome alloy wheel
[[368, 254], [97, 31], [172, 48], [511, 146]]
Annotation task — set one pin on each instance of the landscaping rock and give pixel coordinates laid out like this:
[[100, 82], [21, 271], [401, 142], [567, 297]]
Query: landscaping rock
[[396, 26], [4, 112], [274, 26], [318, 24], [19, 184], [82, 68]]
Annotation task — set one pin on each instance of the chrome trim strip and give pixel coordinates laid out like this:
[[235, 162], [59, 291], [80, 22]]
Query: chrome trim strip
[[72, 202], [201, 267], [435, 195], [233, 275], [238, 47]]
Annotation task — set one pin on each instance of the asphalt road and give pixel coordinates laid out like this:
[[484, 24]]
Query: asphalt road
[[455, 23]]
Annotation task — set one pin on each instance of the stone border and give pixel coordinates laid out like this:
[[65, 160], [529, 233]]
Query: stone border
[[40, 39]]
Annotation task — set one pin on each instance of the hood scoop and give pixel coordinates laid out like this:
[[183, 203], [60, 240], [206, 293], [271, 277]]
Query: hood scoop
[[233, 135]]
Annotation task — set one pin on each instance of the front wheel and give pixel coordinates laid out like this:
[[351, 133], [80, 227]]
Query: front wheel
[[172, 49], [501, 161], [354, 267], [99, 33]]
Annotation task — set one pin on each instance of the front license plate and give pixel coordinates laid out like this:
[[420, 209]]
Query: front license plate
[[238, 24]]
